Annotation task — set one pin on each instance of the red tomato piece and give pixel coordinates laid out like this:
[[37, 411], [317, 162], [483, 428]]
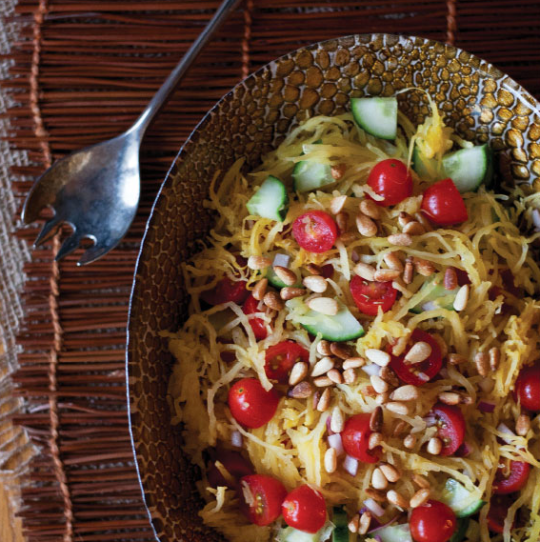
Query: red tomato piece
[[315, 231], [418, 374], [304, 509], [528, 387], [251, 405], [280, 359], [511, 478], [370, 295], [226, 290], [327, 271], [355, 438], [235, 464], [392, 180], [498, 510], [443, 204], [432, 522], [258, 325], [262, 498], [451, 424]]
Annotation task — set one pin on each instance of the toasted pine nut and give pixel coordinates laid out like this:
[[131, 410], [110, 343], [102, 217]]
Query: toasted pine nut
[[298, 373], [313, 269], [393, 262], [378, 481], [419, 352], [324, 402], [419, 498], [330, 460], [349, 376], [323, 348], [342, 351], [322, 382], [434, 446], [456, 359], [494, 358], [409, 442], [450, 279], [375, 494], [380, 357], [398, 408], [424, 267], [288, 277], [348, 237], [368, 391], [397, 499], [366, 226], [290, 292], [400, 239], [260, 289], [335, 376], [375, 440], [353, 363], [386, 275], [370, 208], [379, 385], [414, 228], [315, 283], [337, 422], [408, 271], [389, 376], [354, 524], [365, 522], [405, 393], [273, 301], [421, 217], [342, 221], [365, 271], [420, 481], [376, 419], [303, 390], [523, 425], [462, 298], [390, 472], [404, 218], [482, 363], [324, 305], [337, 204], [338, 171], [259, 262], [449, 398], [322, 366]]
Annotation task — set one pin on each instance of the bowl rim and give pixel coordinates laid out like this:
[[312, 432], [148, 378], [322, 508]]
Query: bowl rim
[[494, 72]]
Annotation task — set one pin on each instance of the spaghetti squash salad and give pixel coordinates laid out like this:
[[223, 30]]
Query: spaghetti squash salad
[[360, 359]]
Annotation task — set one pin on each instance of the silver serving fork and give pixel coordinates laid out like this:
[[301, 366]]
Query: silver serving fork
[[96, 190]]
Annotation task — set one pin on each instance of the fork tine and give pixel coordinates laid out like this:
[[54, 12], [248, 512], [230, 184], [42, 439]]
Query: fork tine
[[68, 246], [93, 253], [47, 230]]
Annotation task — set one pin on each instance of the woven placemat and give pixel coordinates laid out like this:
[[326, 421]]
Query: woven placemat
[[82, 71]]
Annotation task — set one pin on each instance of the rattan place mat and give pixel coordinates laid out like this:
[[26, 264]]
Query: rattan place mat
[[82, 71]]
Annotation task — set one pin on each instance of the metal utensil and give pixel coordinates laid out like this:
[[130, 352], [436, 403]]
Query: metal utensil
[[96, 189]]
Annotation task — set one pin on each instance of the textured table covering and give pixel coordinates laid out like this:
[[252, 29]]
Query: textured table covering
[[82, 71]]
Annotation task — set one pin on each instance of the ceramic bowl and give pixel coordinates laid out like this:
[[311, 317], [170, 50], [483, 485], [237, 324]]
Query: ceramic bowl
[[482, 103]]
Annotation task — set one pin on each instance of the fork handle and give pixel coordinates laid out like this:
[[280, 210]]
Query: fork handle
[[165, 91]]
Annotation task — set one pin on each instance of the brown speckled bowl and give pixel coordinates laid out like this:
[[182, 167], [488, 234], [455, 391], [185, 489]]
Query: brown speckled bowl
[[483, 105]]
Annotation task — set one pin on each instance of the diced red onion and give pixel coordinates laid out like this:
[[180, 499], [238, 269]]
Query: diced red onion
[[502, 428], [350, 464], [378, 527], [536, 219], [378, 538], [374, 507], [464, 450], [281, 260], [486, 406], [355, 257], [372, 369], [236, 439], [423, 376], [335, 442], [430, 420], [328, 425]]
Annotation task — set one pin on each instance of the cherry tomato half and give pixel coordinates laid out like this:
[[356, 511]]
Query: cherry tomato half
[[226, 290], [327, 271], [432, 522], [355, 438], [251, 405], [498, 510], [258, 325], [280, 359], [370, 295], [235, 464], [451, 425], [315, 231], [528, 387], [511, 477], [443, 204], [263, 496], [418, 374], [392, 180], [304, 509]]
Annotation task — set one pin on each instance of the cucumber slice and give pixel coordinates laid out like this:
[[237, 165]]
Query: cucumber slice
[[377, 116], [463, 502], [461, 530], [395, 533], [341, 327], [341, 532], [437, 296], [469, 168], [309, 176], [425, 167], [270, 201], [289, 534]]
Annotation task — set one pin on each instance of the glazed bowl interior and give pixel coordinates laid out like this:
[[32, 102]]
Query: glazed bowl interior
[[483, 105]]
